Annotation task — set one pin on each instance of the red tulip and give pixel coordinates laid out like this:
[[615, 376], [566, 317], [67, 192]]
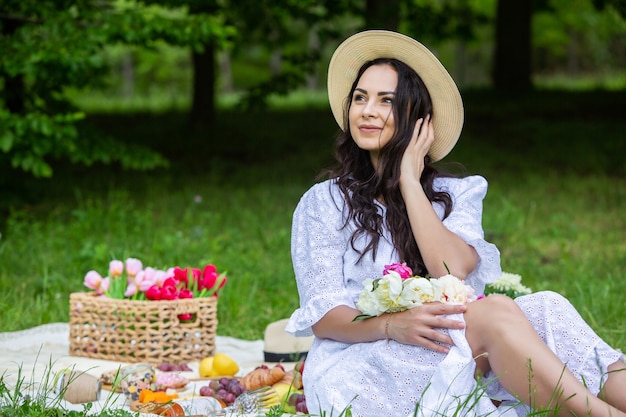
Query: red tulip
[[181, 275], [185, 293], [209, 277], [153, 293], [169, 292]]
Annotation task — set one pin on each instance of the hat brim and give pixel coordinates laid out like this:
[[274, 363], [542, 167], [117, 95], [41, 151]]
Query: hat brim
[[349, 57]]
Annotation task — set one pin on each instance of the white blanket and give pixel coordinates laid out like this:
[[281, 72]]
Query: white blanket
[[30, 356]]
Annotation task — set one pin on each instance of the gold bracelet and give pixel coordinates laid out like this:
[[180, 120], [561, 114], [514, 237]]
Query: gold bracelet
[[387, 327]]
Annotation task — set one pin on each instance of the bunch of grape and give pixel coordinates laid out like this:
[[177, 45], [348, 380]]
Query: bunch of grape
[[298, 401], [170, 367], [224, 389]]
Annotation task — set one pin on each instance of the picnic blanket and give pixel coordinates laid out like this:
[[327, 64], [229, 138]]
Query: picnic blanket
[[32, 357]]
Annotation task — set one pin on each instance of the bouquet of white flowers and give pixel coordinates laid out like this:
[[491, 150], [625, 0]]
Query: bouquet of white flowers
[[398, 290]]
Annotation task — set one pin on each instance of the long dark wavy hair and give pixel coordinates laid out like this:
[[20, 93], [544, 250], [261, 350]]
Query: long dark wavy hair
[[362, 185]]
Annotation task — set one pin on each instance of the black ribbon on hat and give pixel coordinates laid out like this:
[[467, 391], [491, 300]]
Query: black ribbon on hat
[[284, 357]]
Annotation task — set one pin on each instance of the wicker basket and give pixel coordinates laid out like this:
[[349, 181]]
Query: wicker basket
[[142, 331]]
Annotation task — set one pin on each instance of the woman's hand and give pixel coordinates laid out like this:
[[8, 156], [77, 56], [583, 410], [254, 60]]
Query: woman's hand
[[420, 325], [412, 163]]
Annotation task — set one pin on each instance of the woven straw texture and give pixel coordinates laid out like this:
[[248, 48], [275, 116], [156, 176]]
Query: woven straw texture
[[142, 331]]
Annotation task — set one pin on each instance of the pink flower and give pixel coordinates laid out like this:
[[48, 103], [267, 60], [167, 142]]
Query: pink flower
[[169, 290], [105, 284], [185, 317], [185, 293], [145, 279], [153, 293], [133, 266], [181, 275], [131, 290], [93, 280], [161, 276], [116, 268], [208, 278], [402, 270], [196, 273]]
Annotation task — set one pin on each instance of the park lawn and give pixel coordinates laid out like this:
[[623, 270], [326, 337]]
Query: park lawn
[[554, 162]]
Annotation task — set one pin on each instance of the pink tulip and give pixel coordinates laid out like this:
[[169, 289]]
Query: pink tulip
[[93, 280], [104, 286], [131, 290], [133, 266], [150, 273], [160, 277], [145, 279], [116, 268]]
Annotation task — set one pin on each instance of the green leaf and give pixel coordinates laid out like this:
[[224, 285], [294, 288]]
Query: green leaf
[[6, 141]]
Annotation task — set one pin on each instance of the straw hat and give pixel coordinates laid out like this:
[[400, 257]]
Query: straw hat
[[280, 346], [365, 46]]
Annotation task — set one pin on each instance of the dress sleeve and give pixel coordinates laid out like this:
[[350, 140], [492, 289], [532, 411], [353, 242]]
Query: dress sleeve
[[318, 244], [466, 221]]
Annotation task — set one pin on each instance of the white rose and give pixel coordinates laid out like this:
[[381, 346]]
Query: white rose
[[451, 290], [388, 292], [369, 304], [416, 292]]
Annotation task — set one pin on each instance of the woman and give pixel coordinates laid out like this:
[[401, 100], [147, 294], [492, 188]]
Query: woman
[[386, 203]]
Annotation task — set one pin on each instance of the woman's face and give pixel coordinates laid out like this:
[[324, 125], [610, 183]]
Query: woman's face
[[371, 115]]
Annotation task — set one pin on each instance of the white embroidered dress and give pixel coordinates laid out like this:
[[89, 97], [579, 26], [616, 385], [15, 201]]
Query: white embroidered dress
[[389, 379]]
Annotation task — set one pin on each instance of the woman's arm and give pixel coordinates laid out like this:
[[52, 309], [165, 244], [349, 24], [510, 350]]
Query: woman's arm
[[439, 246], [416, 326]]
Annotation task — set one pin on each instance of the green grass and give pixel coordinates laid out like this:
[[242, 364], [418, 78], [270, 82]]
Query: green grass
[[555, 206]]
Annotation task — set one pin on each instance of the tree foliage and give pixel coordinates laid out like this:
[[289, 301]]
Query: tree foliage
[[48, 46]]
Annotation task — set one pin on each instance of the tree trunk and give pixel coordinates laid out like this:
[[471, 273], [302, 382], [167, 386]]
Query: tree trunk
[[203, 101], [512, 60], [382, 14]]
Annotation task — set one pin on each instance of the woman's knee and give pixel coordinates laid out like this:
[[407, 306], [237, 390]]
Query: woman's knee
[[486, 310], [489, 317]]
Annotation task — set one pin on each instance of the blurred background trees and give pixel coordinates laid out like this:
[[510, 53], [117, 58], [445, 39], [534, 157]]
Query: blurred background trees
[[61, 59]]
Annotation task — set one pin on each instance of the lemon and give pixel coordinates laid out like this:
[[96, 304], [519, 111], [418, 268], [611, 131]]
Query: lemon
[[283, 389], [206, 367], [224, 365]]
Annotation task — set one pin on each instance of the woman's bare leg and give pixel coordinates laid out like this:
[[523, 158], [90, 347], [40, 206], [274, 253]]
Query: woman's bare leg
[[524, 364], [614, 390]]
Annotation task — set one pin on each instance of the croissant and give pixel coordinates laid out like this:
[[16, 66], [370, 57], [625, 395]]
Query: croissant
[[293, 378], [262, 376]]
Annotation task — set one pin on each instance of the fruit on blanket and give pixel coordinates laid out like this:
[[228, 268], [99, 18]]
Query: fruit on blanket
[[299, 402], [206, 367], [159, 397], [224, 365], [172, 367], [225, 390], [290, 401], [283, 390]]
